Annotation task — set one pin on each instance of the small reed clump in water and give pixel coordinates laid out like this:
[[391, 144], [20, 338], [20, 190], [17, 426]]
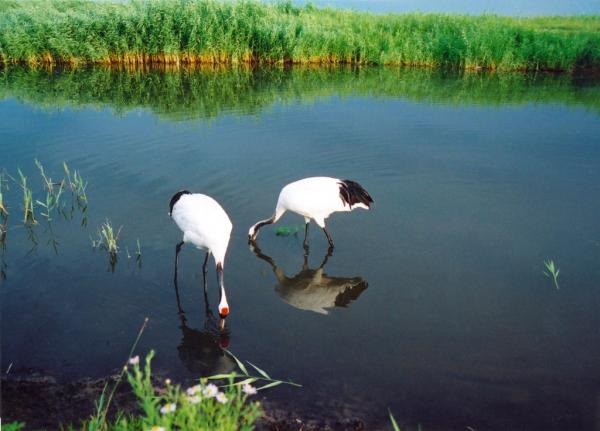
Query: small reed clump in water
[[107, 239], [53, 193], [28, 212], [553, 272]]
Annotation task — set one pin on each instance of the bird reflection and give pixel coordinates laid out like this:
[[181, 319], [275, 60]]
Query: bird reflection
[[203, 351], [312, 289]]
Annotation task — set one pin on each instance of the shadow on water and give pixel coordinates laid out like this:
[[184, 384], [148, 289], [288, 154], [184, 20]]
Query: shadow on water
[[207, 92], [202, 352], [312, 289]]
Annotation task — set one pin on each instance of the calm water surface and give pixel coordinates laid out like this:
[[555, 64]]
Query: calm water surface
[[434, 303]]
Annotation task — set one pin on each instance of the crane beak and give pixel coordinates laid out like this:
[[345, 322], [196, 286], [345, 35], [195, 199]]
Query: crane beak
[[222, 324]]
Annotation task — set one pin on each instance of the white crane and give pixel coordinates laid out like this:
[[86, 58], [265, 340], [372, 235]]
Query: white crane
[[205, 224], [316, 198]]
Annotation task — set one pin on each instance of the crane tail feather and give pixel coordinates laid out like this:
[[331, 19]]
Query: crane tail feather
[[352, 193]]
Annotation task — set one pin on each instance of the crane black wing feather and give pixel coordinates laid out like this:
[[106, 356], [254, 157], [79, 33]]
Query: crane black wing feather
[[353, 193]]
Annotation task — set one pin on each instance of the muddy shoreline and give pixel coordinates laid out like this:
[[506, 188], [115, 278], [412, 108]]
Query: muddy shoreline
[[44, 403]]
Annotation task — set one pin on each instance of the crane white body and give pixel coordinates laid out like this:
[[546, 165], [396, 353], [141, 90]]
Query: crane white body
[[206, 225], [316, 198]]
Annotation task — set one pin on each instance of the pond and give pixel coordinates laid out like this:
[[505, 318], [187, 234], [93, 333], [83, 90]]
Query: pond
[[434, 303]]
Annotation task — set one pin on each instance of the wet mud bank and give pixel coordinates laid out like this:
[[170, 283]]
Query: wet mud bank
[[43, 403]]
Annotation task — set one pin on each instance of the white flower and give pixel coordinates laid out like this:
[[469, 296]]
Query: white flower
[[194, 390], [249, 389], [221, 398], [195, 399], [167, 381], [135, 360], [168, 408], [157, 428], [210, 391]]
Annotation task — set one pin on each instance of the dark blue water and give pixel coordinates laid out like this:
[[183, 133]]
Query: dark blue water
[[449, 320]]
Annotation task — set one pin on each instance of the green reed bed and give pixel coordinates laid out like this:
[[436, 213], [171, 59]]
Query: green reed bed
[[210, 31]]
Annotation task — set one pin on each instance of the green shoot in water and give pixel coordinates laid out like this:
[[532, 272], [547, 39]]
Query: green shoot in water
[[77, 186], [28, 212], [553, 272], [3, 210], [107, 238], [394, 423], [53, 193]]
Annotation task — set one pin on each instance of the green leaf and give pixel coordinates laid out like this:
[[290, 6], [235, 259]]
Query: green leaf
[[243, 382], [269, 385], [222, 376], [239, 363], [262, 372], [394, 423]]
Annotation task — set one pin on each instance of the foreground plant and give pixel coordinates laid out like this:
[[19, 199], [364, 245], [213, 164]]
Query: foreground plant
[[201, 407], [553, 272]]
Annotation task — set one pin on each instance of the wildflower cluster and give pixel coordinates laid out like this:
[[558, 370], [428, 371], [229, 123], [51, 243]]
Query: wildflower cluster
[[204, 406]]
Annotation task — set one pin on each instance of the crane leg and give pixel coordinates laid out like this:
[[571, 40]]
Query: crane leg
[[306, 238], [177, 250], [328, 239], [204, 272]]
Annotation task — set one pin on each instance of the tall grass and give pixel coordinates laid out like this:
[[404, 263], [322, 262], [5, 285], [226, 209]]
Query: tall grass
[[211, 31]]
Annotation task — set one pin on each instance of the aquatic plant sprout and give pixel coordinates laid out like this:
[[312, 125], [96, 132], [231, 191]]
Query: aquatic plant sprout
[[108, 239], [28, 211], [553, 272], [395, 425], [77, 185], [53, 193], [3, 184]]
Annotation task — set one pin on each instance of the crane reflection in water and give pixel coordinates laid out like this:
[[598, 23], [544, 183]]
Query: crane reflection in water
[[202, 351], [312, 289]]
